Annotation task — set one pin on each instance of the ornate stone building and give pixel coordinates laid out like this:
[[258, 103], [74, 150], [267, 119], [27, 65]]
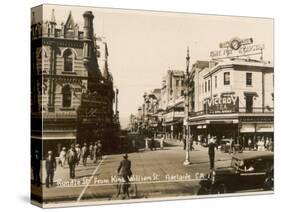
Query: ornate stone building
[[71, 97]]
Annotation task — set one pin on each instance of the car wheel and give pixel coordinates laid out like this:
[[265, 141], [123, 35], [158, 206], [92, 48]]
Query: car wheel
[[268, 184], [203, 191], [219, 189]]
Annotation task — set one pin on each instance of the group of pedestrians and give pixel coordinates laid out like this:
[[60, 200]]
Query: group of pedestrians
[[72, 157], [262, 144]]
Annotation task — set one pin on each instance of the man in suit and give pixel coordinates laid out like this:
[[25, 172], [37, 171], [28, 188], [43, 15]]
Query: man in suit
[[124, 170], [72, 159], [51, 165], [211, 151], [35, 163]]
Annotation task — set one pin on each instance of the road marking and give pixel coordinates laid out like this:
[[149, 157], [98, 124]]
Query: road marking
[[93, 174]]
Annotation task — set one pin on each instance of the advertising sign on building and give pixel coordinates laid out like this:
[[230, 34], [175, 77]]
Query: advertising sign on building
[[227, 104], [237, 47]]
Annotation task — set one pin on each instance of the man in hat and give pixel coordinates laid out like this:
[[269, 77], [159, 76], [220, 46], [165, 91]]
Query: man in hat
[[211, 151], [124, 170], [51, 166], [72, 160]]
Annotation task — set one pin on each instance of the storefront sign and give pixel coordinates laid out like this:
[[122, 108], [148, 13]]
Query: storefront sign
[[264, 128], [247, 128], [227, 104]]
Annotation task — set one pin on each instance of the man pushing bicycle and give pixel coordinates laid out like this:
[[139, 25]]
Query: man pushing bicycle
[[124, 170]]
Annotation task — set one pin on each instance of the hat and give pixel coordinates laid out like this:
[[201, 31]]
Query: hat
[[50, 152], [63, 148], [125, 155]]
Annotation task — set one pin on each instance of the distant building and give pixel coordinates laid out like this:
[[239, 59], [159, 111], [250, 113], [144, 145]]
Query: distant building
[[172, 103]]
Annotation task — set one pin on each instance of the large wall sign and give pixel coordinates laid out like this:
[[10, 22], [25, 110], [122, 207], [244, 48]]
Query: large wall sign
[[227, 104]]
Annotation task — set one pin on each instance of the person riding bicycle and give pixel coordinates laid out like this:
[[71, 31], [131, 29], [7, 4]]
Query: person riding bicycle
[[124, 170]]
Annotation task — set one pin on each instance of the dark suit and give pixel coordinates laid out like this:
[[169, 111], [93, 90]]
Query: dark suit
[[35, 162], [124, 169], [211, 152], [51, 165]]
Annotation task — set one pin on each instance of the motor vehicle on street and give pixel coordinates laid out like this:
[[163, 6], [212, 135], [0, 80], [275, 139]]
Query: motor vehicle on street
[[247, 171]]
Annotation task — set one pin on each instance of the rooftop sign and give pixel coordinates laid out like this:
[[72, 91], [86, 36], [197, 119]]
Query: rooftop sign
[[237, 47]]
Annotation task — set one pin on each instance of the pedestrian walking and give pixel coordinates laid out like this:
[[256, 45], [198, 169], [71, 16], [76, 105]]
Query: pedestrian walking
[[36, 166], [95, 148], [211, 151], [91, 147], [162, 142], [99, 150], [261, 144], [84, 154], [51, 166], [78, 151], [62, 157], [250, 143], [72, 160]]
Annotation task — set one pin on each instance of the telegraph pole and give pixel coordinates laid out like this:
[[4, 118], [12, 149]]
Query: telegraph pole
[[186, 111]]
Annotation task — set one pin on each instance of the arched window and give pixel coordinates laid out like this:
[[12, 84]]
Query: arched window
[[68, 61], [66, 96]]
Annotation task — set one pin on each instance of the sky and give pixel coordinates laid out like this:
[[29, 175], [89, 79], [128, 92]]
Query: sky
[[143, 45]]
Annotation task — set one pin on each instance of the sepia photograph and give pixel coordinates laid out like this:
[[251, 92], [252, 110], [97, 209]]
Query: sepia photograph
[[134, 105]]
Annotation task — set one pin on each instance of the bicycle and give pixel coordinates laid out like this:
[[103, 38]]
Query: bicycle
[[126, 190]]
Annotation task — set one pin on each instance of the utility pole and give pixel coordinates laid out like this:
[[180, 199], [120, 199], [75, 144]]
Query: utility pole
[[186, 111]]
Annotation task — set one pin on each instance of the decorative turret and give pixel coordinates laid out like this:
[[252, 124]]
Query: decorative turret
[[89, 49], [88, 37], [52, 24], [106, 73]]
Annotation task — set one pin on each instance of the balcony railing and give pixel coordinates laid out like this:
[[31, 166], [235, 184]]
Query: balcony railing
[[242, 110]]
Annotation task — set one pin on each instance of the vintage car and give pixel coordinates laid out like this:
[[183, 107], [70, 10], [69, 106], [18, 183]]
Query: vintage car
[[247, 171]]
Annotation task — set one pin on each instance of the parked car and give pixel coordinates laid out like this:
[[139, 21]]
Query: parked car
[[251, 170]]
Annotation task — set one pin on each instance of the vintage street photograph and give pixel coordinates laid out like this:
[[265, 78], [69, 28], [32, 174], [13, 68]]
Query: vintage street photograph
[[132, 105]]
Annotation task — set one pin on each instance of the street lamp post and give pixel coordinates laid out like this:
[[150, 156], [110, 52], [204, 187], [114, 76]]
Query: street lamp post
[[186, 111]]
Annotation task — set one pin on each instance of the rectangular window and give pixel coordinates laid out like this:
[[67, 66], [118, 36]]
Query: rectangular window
[[177, 83], [248, 79], [216, 81], [205, 86], [209, 85], [226, 78]]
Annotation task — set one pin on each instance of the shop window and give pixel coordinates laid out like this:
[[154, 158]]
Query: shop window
[[66, 96], [226, 78], [248, 79]]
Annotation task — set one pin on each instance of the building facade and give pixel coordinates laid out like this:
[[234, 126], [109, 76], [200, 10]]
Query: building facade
[[72, 98], [172, 103], [235, 95]]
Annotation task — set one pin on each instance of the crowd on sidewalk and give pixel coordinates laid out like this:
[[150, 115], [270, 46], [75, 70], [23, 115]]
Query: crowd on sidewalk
[[72, 158]]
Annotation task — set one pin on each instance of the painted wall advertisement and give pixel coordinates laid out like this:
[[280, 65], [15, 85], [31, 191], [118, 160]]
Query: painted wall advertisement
[[227, 104]]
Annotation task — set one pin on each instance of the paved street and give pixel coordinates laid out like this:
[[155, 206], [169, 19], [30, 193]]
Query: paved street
[[156, 173]]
